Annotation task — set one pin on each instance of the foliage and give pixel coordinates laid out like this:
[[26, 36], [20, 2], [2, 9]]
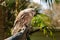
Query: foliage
[[43, 22], [57, 1], [10, 3]]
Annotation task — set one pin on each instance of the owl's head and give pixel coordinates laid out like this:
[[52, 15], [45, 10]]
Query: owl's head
[[30, 10]]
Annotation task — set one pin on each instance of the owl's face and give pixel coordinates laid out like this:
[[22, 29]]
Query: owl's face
[[30, 10]]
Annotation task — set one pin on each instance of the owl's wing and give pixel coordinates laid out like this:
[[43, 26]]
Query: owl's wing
[[19, 17], [23, 17]]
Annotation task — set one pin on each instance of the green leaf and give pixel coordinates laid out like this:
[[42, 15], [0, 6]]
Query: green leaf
[[51, 33], [42, 25], [45, 31]]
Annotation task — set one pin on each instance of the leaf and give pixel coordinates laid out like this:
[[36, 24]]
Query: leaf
[[42, 25], [51, 33], [45, 31]]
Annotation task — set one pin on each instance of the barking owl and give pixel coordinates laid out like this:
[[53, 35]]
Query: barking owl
[[24, 17]]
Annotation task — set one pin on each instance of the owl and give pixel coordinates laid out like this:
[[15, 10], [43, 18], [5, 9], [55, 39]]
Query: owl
[[24, 18]]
